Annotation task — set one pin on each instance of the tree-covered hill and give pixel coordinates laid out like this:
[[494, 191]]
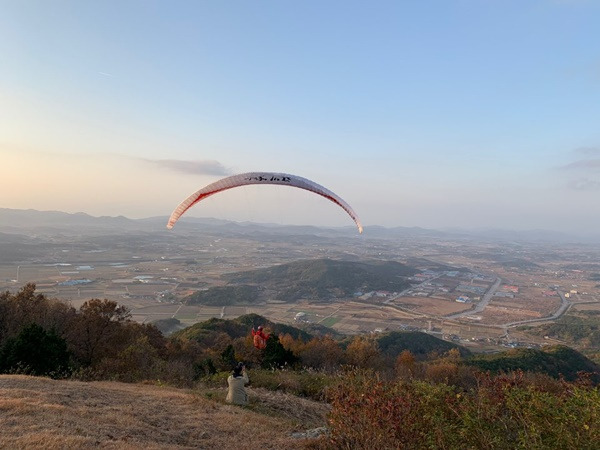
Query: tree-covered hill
[[239, 327], [581, 329], [419, 344], [554, 361], [577, 329], [324, 278]]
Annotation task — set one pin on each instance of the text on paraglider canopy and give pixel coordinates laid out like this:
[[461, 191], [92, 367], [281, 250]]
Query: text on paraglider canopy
[[273, 178]]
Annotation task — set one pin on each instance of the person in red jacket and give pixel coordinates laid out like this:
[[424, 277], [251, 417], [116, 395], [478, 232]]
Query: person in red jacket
[[260, 338]]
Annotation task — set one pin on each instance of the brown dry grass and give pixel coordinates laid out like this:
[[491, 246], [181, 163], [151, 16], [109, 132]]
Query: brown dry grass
[[433, 305], [44, 413]]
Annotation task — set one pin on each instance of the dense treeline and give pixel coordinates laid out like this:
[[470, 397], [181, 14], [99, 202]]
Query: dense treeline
[[96, 339], [44, 336]]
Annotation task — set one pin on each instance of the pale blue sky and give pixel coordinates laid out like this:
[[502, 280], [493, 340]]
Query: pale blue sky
[[471, 113]]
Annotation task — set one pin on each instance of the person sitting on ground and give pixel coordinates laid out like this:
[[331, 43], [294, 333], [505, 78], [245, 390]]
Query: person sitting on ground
[[260, 338], [237, 382]]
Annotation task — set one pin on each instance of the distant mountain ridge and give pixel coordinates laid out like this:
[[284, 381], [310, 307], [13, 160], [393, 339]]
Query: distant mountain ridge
[[21, 221], [30, 219], [17, 220]]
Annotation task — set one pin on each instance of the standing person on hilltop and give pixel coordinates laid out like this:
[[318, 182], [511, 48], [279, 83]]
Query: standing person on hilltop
[[260, 338], [237, 382]]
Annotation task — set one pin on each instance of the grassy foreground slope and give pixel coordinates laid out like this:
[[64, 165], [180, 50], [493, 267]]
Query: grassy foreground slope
[[52, 414]]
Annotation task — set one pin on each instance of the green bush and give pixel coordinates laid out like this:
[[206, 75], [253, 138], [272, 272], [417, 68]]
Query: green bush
[[303, 383], [275, 356], [35, 351]]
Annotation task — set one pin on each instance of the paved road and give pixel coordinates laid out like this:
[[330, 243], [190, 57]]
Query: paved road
[[481, 305], [564, 306]]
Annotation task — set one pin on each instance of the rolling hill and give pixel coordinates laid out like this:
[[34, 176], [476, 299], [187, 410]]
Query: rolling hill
[[418, 343], [239, 327], [323, 279], [554, 361]]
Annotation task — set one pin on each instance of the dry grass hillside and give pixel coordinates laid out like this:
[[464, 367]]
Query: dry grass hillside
[[45, 413]]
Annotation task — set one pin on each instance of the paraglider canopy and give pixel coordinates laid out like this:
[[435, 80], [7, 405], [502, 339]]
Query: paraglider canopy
[[282, 179]]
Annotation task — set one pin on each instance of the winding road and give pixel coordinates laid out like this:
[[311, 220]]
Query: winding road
[[564, 306]]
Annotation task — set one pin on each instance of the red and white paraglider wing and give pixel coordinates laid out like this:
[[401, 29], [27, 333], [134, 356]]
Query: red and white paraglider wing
[[244, 179]]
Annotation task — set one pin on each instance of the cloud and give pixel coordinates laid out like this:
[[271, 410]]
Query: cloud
[[588, 151], [592, 165], [582, 175], [207, 167], [584, 184]]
